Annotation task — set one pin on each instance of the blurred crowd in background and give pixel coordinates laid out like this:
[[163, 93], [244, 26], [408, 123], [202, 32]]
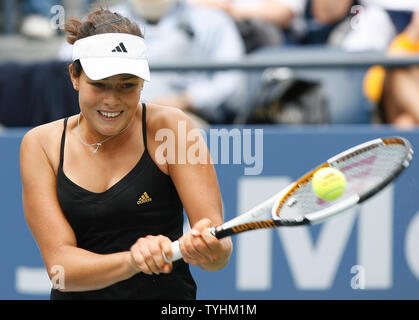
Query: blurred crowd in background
[[35, 92]]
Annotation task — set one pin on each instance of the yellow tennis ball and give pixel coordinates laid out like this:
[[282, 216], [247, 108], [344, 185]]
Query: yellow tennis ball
[[328, 183]]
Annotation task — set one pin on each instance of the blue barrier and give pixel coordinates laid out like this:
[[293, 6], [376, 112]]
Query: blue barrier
[[373, 255]]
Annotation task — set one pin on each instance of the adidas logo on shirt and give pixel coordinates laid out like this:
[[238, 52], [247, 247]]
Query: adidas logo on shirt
[[144, 199], [120, 48]]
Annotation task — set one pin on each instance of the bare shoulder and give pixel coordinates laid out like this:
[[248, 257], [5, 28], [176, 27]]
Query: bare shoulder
[[44, 141], [163, 117], [166, 122], [44, 128], [44, 134]]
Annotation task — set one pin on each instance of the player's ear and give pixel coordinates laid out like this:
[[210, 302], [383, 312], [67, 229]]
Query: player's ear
[[74, 79]]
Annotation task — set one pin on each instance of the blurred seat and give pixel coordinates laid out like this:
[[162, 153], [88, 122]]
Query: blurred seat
[[35, 93], [342, 86]]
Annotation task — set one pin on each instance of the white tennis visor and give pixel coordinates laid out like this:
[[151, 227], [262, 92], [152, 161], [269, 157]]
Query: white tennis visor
[[108, 54]]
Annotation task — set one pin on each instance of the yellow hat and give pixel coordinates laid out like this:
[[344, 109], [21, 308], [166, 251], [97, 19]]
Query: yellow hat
[[374, 83], [374, 78]]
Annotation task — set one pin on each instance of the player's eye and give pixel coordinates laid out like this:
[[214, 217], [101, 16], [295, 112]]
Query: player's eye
[[127, 85], [98, 84]]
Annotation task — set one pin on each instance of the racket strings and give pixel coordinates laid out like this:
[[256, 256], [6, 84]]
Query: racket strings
[[363, 171]]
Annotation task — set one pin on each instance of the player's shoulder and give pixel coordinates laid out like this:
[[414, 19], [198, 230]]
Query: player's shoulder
[[43, 130], [165, 117], [43, 136]]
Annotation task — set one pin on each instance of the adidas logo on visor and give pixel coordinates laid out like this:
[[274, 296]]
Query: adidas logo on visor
[[120, 48], [97, 50]]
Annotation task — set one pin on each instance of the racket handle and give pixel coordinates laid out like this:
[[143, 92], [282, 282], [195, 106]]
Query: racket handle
[[176, 254]]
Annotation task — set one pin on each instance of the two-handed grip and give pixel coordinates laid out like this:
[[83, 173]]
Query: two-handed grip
[[176, 254]]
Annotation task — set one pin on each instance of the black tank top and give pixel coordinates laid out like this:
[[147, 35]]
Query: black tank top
[[144, 202]]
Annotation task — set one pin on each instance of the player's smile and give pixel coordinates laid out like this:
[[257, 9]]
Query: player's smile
[[110, 116]]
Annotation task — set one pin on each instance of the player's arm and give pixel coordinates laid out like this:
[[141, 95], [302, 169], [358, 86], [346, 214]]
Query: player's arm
[[195, 179], [83, 270]]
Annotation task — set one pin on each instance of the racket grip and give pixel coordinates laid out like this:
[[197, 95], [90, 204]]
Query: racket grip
[[176, 254]]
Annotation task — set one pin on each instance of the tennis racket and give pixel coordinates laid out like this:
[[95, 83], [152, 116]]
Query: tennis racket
[[368, 168]]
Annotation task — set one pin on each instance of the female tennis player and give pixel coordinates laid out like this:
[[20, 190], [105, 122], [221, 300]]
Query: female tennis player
[[99, 203]]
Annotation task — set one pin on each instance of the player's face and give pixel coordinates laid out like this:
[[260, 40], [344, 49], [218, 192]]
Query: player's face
[[109, 104]]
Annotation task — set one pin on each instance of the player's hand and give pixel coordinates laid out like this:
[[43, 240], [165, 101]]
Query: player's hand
[[200, 247], [147, 255]]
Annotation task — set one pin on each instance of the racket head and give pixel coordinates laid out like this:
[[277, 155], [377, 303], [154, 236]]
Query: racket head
[[368, 168]]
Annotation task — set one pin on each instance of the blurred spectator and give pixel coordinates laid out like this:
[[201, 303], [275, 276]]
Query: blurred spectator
[[373, 26], [374, 23], [331, 11], [323, 19], [341, 87], [262, 22], [175, 30], [36, 22], [396, 91]]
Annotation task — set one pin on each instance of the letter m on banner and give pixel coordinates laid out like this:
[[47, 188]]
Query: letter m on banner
[[314, 264]]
